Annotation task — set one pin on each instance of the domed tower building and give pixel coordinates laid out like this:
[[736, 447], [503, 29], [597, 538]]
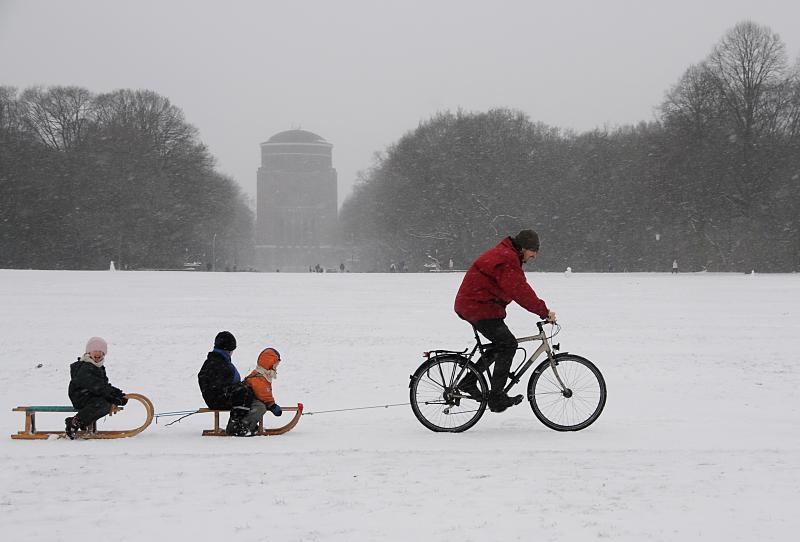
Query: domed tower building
[[296, 203]]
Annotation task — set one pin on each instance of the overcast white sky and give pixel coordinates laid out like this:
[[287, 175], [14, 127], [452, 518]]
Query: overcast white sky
[[361, 73]]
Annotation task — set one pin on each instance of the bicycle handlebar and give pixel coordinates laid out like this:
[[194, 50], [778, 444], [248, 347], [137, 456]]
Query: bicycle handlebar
[[543, 322]]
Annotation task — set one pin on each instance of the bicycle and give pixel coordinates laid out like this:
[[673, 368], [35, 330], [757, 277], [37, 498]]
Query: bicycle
[[566, 392]]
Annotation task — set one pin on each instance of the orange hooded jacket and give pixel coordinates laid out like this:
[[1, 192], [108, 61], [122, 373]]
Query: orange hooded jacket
[[257, 380]]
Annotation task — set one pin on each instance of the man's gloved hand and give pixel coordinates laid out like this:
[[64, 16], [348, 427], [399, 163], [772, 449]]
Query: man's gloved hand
[[118, 398], [275, 409]]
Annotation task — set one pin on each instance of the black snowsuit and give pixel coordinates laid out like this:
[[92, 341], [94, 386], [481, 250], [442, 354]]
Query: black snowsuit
[[90, 392], [221, 384]]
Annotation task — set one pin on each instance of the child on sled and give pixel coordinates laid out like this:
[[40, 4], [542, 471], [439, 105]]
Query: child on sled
[[89, 390], [260, 382], [221, 385]]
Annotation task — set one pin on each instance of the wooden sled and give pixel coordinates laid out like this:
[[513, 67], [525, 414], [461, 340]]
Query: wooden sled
[[31, 433], [219, 432]]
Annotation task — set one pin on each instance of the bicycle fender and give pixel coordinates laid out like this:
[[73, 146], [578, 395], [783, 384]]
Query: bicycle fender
[[543, 363], [562, 354]]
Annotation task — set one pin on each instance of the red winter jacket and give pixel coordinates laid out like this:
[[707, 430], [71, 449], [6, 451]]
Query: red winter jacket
[[493, 281]]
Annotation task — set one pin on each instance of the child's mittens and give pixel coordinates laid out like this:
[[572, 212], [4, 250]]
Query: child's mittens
[[275, 409]]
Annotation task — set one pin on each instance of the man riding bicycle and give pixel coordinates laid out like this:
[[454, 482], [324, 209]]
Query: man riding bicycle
[[493, 280]]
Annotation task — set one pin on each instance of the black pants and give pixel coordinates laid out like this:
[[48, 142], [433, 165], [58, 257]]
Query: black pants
[[501, 352], [92, 409]]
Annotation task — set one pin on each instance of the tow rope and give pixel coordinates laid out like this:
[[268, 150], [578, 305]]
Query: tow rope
[[354, 408], [182, 413], [186, 413]]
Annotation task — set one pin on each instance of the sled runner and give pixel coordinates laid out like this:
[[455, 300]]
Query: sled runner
[[31, 433], [219, 432]]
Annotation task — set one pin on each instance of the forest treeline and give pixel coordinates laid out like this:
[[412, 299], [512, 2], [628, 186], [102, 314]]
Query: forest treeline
[[714, 182], [88, 178]]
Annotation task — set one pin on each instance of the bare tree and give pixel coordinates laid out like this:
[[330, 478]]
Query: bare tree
[[159, 126], [693, 105], [748, 64], [59, 116], [749, 67]]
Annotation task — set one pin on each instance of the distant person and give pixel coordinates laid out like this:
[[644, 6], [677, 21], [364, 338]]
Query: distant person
[[221, 384], [260, 383], [341, 267], [89, 390], [492, 281], [675, 266]]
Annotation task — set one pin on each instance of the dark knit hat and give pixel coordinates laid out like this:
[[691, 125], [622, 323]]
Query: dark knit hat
[[225, 341], [527, 239]]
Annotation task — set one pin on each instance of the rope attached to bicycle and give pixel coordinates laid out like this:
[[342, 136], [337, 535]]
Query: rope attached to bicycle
[[354, 408]]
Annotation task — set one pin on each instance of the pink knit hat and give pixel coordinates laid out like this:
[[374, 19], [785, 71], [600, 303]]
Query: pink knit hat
[[97, 343]]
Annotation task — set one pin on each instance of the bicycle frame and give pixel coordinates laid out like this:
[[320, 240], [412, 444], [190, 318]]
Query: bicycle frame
[[516, 375]]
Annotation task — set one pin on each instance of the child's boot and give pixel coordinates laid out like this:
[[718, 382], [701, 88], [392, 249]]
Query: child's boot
[[71, 426]]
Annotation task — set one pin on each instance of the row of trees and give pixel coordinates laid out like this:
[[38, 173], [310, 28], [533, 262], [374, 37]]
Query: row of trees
[[714, 182], [88, 178]]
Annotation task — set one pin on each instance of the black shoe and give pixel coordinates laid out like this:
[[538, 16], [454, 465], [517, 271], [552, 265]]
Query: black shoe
[[236, 429], [70, 427], [498, 402], [248, 432], [236, 425], [470, 388]]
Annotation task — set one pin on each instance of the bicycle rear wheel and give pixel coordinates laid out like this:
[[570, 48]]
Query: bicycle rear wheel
[[575, 407], [436, 402]]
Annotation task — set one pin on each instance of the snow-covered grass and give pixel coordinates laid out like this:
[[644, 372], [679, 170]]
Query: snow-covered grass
[[700, 438]]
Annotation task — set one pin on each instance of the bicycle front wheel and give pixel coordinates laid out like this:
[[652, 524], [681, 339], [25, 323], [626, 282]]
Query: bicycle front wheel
[[435, 399], [575, 406]]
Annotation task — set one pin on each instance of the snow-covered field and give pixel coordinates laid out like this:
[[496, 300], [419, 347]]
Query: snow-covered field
[[700, 438]]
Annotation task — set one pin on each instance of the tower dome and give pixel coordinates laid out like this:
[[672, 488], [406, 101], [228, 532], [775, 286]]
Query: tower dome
[[296, 136], [296, 150]]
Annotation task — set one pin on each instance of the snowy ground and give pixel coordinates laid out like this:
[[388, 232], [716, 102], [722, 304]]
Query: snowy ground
[[700, 439]]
